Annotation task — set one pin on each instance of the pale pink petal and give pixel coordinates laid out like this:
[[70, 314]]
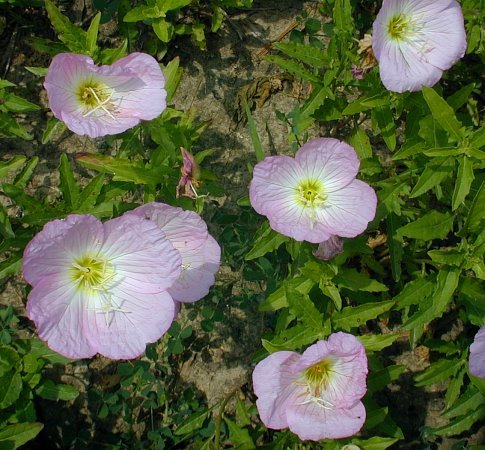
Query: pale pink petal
[[273, 385], [57, 308], [330, 248], [144, 259], [311, 421], [200, 253], [349, 210], [150, 92], [198, 272], [477, 354], [333, 162], [53, 250], [132, 322]]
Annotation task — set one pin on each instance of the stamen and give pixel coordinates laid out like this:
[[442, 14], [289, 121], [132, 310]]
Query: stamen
[[100, 104]]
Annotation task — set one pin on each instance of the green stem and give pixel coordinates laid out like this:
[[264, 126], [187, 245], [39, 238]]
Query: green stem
[[217, 432]]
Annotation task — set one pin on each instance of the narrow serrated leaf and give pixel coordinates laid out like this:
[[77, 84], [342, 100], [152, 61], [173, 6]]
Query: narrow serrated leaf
[[463, 182], [434, 225]]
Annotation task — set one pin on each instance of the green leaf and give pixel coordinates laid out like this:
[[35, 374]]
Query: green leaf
[[51, 391], [414, 292], [10, 128], [192, 423], [267, 240], [20, 433], [89, 195], [122, 169], [11, 265], [293, 338], [356, 281], [143, 12], [304, 309], [443, 113], [469, 401], [312, 56], [477, 211], [5, 226], [8, 359], [447, 282], [376, 342], [170, 5], [12, 164], [258, 148], [375, 443], [366, 102], [381, 378], [462, 423], [460, 97], [354, 316], [38, 71], [67, 184], [173, 75], [360, 141], [434, 225], [10, 388], [385, 121], [72, 36], [463, 182], [40, 350], [395, 243], [294, 68], [110, 55], [53, 128], [437, 372], [163, 29], [238, 436], [92, 34], [278, 300], [435, 172], [18, 104], [24, 177]]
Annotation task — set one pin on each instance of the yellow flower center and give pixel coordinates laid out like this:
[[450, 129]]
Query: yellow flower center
[[399, 27], [94, 95], [90, 272], [317, 376], [310, 193]]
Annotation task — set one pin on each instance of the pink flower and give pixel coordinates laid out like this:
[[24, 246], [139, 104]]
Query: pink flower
[[315, 195], [104, 100], [189, 179], [477, 354], [416, 40], [328, 249], [316, 395], [101, 288], [200, 252]]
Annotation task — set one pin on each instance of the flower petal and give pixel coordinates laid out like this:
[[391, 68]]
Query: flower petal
[[349, 210], [328, 249], [273, 384], [58, 309], [314, 422], [150, 92], [198, 270], [145, 261], [53, 249], [329, 160], [134, 321], [477, 354]]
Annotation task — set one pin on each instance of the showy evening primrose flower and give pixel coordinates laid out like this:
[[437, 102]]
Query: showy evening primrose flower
[[200, 252], [315, 195], [316, 395], [477, 354], [104, 100], [101, 288], [416, 40]]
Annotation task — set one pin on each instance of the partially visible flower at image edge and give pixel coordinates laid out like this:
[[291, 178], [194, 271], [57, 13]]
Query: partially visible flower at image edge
[[314, 195], [101, 287], [477, 354], [200, 252], [416, 40], [104, 100], [317, 394]]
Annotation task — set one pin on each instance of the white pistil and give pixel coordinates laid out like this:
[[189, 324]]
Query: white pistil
[[100, 104]]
